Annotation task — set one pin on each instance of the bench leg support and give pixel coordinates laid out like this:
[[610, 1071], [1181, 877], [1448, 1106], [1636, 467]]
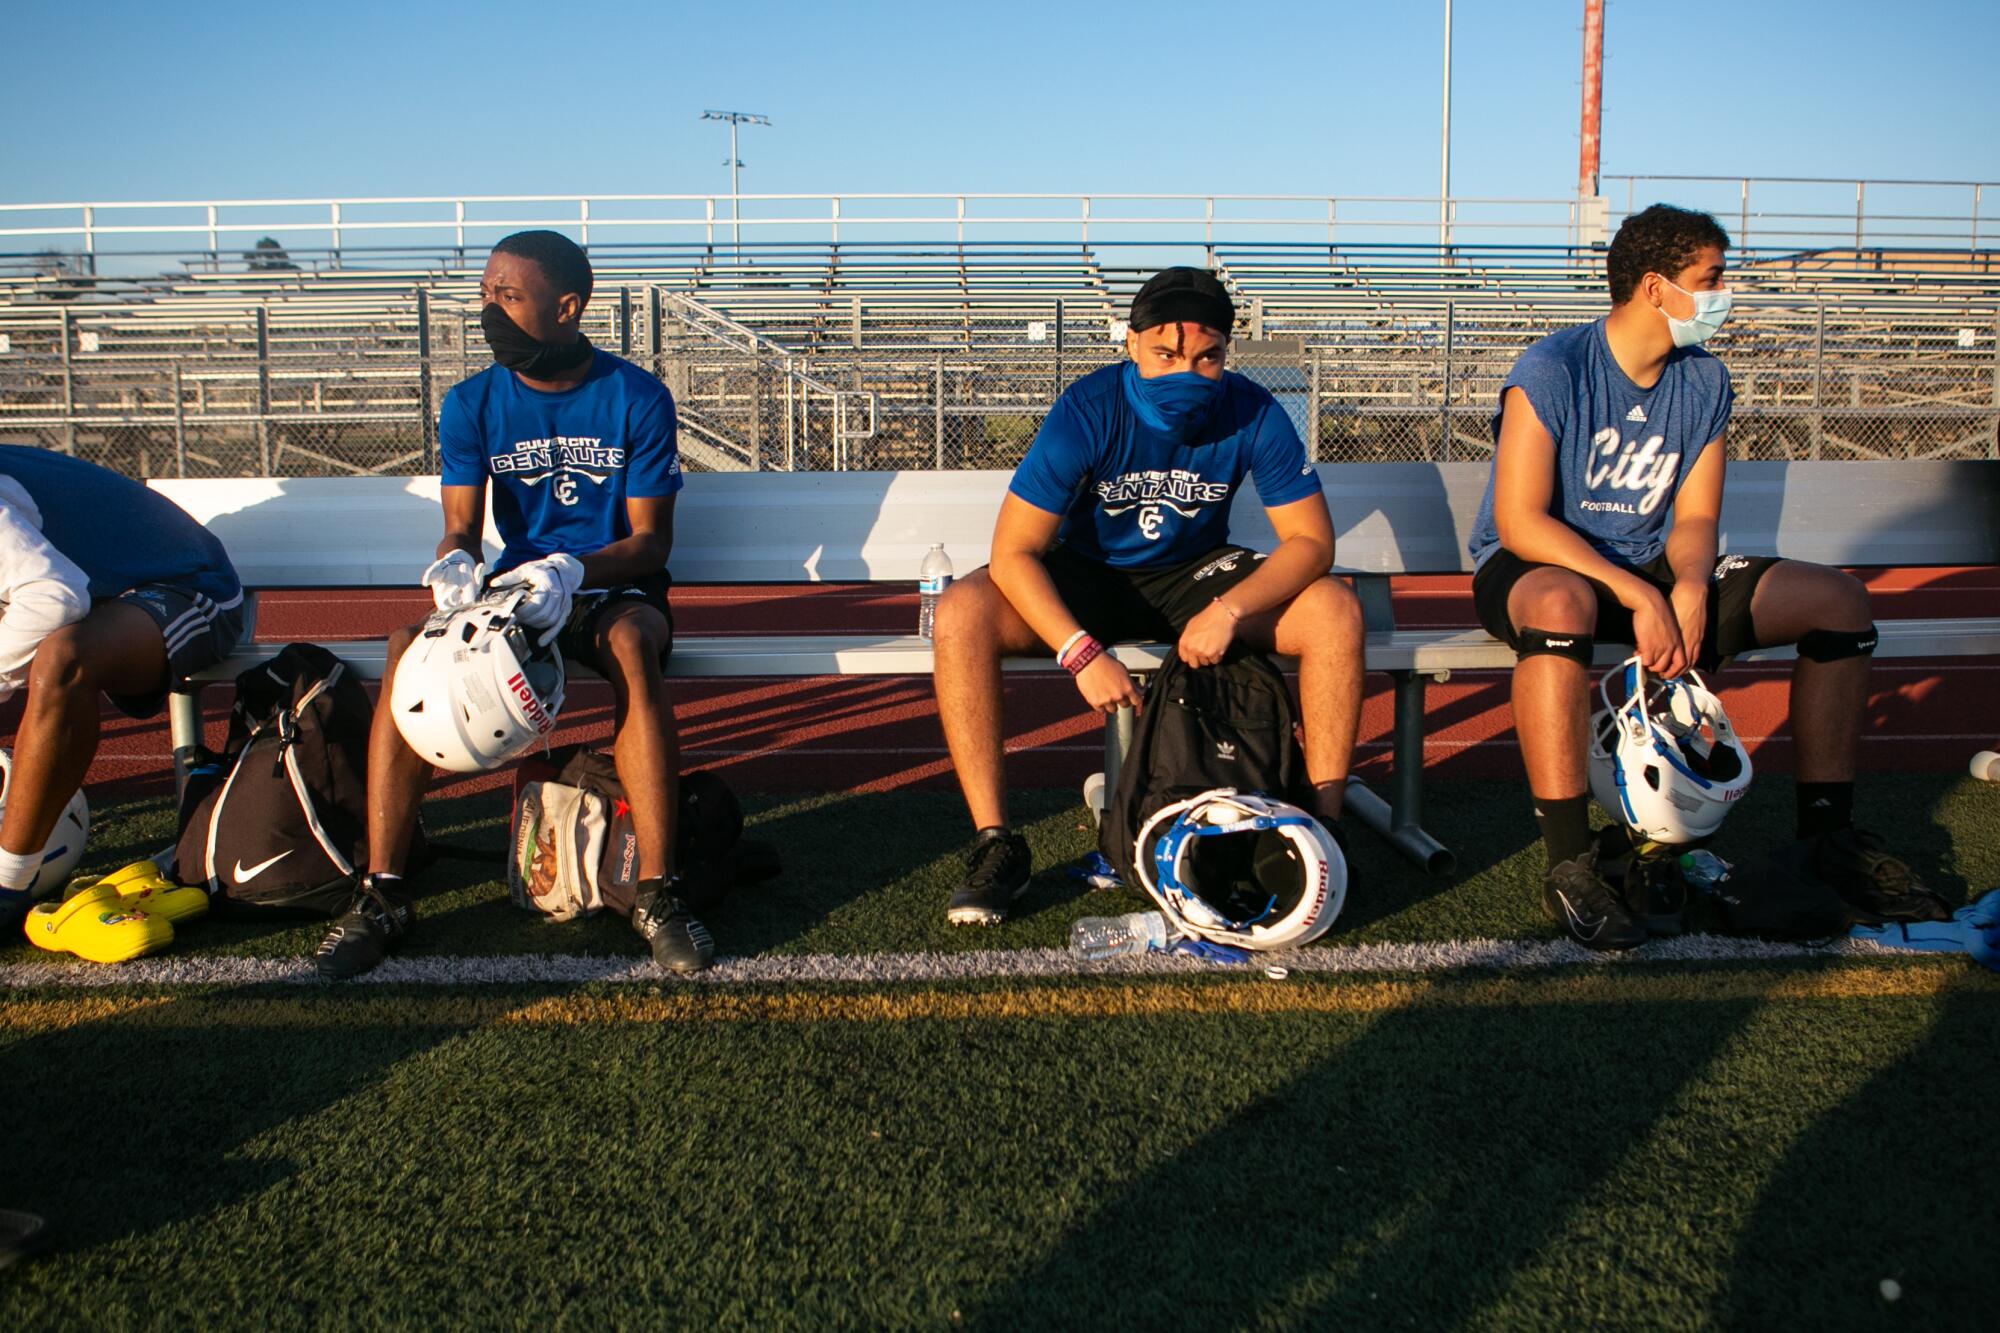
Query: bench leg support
[[184, 725], [1400, 819], [1097, 788]]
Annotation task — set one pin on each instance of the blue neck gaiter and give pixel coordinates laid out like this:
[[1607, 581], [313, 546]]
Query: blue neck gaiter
[[1176, 405]]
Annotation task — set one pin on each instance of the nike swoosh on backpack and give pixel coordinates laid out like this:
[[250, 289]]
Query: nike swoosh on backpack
[[245, 876]]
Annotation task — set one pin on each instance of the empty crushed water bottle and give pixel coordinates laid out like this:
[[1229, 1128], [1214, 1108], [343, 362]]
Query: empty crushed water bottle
[[932, 580], [1099, 937], [1703, 869]]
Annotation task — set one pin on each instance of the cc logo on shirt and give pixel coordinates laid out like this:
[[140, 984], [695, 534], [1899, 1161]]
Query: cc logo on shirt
[[565, 489], [1150, 519]]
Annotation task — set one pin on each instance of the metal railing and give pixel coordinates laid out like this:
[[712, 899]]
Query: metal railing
[[277, 390], [1792, 211], [1814, 213], [462, 225]]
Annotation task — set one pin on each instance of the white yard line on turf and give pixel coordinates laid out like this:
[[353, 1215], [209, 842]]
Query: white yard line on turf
[[517, 969]]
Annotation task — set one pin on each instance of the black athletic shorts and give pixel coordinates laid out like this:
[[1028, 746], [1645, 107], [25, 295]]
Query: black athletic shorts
[[1729, 630], [198, 633], [1144, 605], [589, 607]]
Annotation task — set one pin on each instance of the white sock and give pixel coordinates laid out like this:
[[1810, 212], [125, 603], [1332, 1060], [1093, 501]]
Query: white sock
[[18, 869]]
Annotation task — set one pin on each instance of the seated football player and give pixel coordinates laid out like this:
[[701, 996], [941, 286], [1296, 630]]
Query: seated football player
[[579, 448], [106, 587], [1603, 432], [1116, 528]]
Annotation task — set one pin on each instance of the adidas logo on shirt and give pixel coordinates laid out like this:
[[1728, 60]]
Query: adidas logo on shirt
[[1637, 413]]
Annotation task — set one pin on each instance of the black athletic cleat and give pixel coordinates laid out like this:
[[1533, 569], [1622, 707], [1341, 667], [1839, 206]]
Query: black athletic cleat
[[1589, 910], [996, 870], [1875, 885], [1655, 894], [378, 916], [1647, 878], [679, 942], [21, 1235]]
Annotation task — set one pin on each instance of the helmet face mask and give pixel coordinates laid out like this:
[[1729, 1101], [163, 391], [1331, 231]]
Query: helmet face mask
[[1243, 870], [476, 689], [1665, 759]]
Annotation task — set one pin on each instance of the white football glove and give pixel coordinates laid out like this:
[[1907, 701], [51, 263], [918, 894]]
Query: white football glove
[[455, 581], [551, 582]]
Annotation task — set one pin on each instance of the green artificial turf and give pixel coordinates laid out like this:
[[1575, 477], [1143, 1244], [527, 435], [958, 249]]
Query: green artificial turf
[[1553, 1153], [1669, 1145], [870, 873]]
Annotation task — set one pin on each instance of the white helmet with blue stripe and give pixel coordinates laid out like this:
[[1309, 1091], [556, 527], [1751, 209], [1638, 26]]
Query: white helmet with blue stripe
[[1665, 760], [1245, 870]]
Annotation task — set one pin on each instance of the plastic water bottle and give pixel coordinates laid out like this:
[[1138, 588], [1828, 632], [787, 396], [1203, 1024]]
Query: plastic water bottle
[[1099, 937], [1703, 869], [932, 580]]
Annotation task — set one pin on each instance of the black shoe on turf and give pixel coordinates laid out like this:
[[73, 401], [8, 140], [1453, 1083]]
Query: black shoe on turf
[[378, 916], [1876, 886], [678, 941], [1655, 894], [996, 870], [21, 1235], [1588, 909]]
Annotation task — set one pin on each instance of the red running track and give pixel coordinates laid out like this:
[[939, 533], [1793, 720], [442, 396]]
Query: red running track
[[876, 733]]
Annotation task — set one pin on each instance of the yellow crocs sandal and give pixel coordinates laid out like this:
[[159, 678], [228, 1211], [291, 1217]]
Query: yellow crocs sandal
[[96, 926], [144, 888]]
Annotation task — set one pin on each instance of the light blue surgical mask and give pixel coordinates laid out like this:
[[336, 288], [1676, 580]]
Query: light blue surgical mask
[[1710, 310], [1176, 405]]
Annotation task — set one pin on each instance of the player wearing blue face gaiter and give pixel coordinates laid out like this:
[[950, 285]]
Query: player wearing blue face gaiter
[[1116, 529]]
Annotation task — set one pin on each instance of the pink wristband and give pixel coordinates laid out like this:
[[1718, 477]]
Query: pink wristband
[[1086, 653]]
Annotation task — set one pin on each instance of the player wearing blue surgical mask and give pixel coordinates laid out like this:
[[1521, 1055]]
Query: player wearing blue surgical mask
[[1116, 528], [1600, 522]]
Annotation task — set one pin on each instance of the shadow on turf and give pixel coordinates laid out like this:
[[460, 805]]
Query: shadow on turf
[[1481, 834], [89, 1152], [1402, 1180], [1908, 1153]]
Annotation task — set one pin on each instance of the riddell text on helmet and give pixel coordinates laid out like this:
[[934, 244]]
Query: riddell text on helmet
[[538, 717]]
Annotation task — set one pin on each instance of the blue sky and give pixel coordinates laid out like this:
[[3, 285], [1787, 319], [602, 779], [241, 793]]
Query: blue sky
[[221, 99]]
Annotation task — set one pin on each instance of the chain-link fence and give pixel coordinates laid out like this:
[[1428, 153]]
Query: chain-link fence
[[326, 387]]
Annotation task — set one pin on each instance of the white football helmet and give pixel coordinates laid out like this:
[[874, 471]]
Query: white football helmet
[[1243, 870], [65, 845], [1665, 760], [476, 689]]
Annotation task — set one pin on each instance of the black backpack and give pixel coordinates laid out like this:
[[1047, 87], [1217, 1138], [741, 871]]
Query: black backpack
[[1229, 725], [278, 822], [1777, 895]]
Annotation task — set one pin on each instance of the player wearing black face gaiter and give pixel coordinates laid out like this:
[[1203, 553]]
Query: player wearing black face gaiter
[[525, 354]]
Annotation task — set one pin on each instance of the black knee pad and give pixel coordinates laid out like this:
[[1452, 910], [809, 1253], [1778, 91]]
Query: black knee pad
[[1832, 645], [1579, 648]]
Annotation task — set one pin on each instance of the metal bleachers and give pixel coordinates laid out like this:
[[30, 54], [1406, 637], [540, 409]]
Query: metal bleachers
[[875, 354]]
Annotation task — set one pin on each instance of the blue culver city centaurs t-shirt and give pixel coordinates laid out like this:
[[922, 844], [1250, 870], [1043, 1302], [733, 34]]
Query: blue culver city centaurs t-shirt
[[562, 465], [1622, 452], [1134, 497]]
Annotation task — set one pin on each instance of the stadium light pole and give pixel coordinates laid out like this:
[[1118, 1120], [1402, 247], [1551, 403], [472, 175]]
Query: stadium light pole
[[1591, 133], [735, 118], [1444, 142]]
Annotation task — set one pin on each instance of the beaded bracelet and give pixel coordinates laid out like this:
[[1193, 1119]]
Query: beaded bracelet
[[1234, 614], [1084, 656]]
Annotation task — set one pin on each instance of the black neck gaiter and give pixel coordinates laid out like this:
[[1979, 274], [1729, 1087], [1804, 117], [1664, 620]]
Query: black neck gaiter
[[527, 355]]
